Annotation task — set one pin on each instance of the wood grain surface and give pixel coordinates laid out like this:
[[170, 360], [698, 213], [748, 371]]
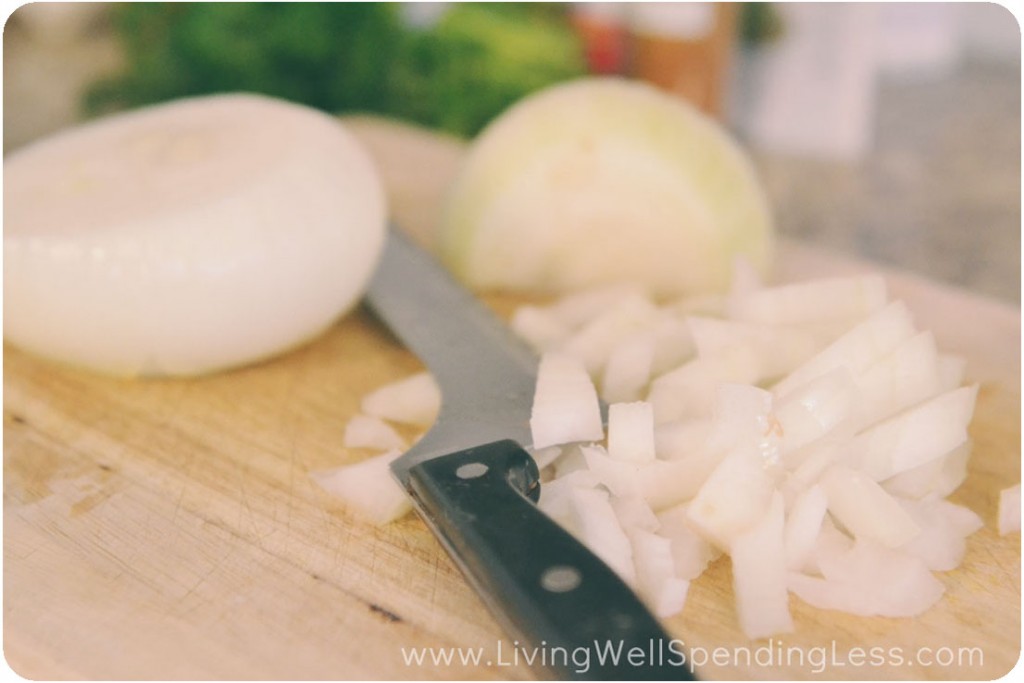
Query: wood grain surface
[[168, 528]]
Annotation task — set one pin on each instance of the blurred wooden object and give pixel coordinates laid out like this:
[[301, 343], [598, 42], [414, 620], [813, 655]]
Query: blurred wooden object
[[686, 49]]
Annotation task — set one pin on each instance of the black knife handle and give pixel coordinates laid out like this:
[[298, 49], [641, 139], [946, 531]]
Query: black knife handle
[[571, 612]]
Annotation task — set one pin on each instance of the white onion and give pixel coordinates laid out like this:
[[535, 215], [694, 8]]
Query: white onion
[[565, 404], [414, 400], [759, 575], [917, 436], [187, 237], [594, 342], [367, 488], [865, 509], [656, 578], [834, 299], [366, 431], [631, 431], [600, 530], [628, 369], [858, 348], [690, 551], [1009, 510], [604, 180], [830, 485]]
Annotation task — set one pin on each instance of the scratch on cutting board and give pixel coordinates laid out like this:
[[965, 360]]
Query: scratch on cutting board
[[386, 613]]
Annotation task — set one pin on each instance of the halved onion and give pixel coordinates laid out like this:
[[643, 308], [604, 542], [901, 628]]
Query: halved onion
[[187, 237]]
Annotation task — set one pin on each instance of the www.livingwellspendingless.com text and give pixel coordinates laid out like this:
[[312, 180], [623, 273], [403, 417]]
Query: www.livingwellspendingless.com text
[[675, 653]]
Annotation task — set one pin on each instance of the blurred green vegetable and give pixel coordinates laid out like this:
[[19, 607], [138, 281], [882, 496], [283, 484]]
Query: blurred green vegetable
[[457, 74]]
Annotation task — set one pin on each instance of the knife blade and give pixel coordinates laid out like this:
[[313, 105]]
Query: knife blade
[[475, 486]]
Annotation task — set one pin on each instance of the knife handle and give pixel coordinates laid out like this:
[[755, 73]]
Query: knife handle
[[571, 612]]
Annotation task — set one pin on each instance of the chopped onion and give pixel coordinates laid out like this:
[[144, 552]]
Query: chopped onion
[[934, 479], [861, 505], [831, 485], [366, 431], [628, 369], [858, 348], [759, 575], [803, 525], [944, 531], [367, 488], [684, 392], [594, 342], [1009, 510], [917, 436], [842, 299], [565, 404], [634, 513], [631, 431], [690, 551], [577, 309], [539, 328], [600, 530], [732, 500], [656, 578], [414, 400], [870, 580]]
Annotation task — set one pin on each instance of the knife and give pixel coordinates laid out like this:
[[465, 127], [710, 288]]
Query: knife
[[475, 486]]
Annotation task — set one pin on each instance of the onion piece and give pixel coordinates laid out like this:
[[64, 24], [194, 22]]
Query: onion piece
[[541, 329], [803, 526], [902, 378], [628, 369], [759, 575], [366, 431], [732, 500], [667, 483], [917, 436], [673, 344], [690, 551], [831, 299], [814, 410], [631, 432], [594, 342], [681, 438], [934, 479], [1009, 510], [555, 500], [863, 507], [871, 580], [414, 400], [633, 512], [565, 404], [621, 477], [857, 349], [778, 349], [578, 308], [599, 529], [944, 530], [656, 580], [367, 488], [684, 392]]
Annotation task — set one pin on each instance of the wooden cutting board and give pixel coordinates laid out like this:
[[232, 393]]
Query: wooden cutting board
[[168, 528]]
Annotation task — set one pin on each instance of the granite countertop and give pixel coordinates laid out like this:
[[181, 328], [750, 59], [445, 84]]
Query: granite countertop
[[938, 195]]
